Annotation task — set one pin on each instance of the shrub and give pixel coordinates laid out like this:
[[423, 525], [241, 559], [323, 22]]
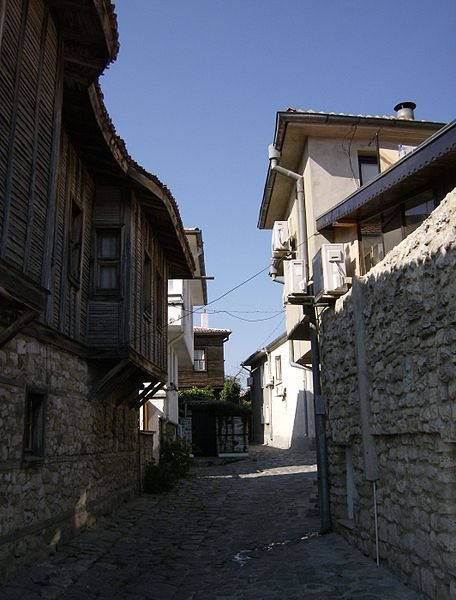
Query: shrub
[[231, 391], [174, 463]]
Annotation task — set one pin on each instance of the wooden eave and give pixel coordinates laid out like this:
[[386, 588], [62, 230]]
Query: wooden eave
[[106, 157], [89, 32]]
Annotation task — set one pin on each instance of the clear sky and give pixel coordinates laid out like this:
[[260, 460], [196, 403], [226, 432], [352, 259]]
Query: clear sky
[[195, 91]]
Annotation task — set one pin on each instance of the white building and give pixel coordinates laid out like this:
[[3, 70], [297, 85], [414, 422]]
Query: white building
[[160, 414], [281, 396]]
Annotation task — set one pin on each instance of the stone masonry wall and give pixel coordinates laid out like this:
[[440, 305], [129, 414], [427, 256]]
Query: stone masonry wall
[[409, 321], [90, 462]]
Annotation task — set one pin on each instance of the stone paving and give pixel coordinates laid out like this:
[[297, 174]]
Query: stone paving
[[240, 530]]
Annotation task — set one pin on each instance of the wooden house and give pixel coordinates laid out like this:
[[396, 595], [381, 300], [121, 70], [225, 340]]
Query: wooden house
[[88, 240], [208, 367]]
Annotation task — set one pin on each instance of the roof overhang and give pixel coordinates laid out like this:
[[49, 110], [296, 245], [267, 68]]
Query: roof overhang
[[198, 286], [89, 31], [107, 158], [293, 128], [431, 163]]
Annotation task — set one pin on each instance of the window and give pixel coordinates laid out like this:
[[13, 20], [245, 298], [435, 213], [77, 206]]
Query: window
[[278, 368], [161, 301], [371, 243], [147, 284], [417, 209], [368, 168], [108, 259], [199, 362], [34, 424], [382, 233], [75, 243]]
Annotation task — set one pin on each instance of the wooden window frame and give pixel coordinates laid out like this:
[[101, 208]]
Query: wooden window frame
[[101, 261], [202, 360], [147, 287], [75, 240], [35, 409]]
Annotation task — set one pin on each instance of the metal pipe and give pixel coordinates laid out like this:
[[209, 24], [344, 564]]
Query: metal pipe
[[320, 414], [320, 430]]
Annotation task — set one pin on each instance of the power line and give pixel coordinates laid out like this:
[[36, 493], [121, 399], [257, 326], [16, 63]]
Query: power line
[[192, 312]]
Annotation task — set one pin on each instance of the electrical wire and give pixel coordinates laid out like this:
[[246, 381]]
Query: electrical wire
[[192, 312], [227, 312], [272, 333]]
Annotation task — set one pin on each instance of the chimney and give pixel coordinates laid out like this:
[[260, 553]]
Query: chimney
[[204, 320], [404, 110]]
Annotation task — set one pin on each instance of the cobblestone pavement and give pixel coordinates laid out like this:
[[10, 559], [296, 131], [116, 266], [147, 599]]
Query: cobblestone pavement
[[245, 529]]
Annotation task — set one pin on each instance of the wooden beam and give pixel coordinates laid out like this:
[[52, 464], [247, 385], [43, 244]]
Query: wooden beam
[[158, 386], [108, 378], [15, 327]]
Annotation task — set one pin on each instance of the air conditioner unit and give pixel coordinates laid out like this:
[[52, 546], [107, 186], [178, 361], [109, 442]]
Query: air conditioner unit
[[280, 244], [329, 271], [295, 278], [269, 381]]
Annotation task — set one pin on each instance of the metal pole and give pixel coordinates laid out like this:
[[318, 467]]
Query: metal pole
[[320, 429]]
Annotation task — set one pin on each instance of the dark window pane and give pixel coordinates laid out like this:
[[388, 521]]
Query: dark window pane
[[417, 210], [109, 245], [368, 168], [392, 229]]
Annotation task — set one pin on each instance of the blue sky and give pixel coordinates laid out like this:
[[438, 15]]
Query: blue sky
[[196, 88]]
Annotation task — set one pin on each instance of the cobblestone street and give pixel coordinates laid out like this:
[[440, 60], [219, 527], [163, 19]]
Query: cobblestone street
[[245, 529]]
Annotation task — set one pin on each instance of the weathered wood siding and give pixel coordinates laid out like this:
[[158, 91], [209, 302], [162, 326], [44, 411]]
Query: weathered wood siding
[[214, 375], [106, 324], [148, 334], [29, 66], [70, 294], [121, 319]]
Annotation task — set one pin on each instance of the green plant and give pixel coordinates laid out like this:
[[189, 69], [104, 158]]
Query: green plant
[[174, 463], [231, 391], [196, 393], [174, 455]]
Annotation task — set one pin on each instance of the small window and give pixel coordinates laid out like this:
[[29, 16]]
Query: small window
[[417, 210], [199, 363], [368, 168], [371, 243], [278, 368], [108, 259], [75, 243], [161, 297], [34, 424], [147, 284]]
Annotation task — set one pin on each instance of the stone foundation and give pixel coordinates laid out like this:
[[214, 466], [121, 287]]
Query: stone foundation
[[90, 462]]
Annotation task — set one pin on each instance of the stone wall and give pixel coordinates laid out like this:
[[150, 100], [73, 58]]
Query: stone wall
[[90, 463], [389, 352]]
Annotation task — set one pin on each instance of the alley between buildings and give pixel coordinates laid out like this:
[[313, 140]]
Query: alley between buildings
[[240, 529]]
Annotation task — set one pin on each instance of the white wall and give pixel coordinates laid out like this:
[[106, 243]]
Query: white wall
[[288, 404]]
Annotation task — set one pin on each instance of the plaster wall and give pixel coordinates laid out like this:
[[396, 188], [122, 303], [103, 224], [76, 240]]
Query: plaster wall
[[288, 403], [409, 346]]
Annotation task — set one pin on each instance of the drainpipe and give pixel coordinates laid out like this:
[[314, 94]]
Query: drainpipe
[[320, 412]]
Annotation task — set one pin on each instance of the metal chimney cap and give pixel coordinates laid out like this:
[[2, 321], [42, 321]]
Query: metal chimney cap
[[404, 110], [410, 105]]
